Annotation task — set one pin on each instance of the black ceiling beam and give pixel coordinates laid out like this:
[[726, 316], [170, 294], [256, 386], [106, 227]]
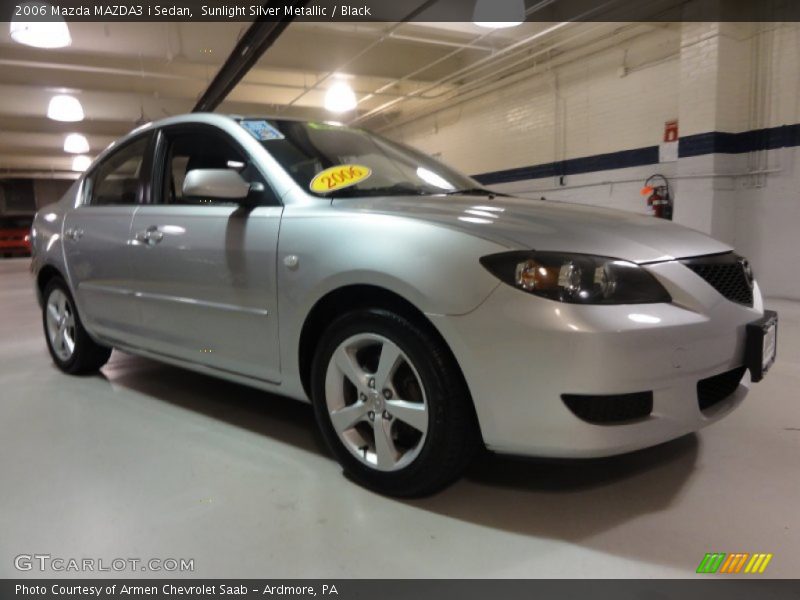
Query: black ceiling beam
[[252, 45]]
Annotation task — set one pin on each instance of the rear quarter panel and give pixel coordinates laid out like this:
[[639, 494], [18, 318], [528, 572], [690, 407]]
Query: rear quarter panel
[[46, 235]]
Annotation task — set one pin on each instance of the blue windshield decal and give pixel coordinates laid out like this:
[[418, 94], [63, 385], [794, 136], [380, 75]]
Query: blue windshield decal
[[262, 130]]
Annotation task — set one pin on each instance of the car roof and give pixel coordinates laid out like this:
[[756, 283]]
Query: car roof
[[197, 117], [206, 117], [210, 118]]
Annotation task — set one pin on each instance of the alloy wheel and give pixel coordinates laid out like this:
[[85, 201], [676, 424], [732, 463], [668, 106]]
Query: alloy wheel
[[61, 325], [376, 402]]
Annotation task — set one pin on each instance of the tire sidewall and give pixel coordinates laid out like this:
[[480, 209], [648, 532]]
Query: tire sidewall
[[82, 340]]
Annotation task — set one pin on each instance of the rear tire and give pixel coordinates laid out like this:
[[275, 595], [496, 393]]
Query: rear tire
[[70, 346], [392, 404]]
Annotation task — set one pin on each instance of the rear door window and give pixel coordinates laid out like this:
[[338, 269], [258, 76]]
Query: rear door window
[[117, 181]]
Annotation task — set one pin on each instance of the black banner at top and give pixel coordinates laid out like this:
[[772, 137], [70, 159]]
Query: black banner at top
[[402, 10]]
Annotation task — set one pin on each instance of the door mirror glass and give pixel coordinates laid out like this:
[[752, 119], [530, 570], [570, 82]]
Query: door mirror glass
[[222, 184]]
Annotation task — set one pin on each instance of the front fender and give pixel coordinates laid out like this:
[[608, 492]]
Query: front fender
[[433, 267]]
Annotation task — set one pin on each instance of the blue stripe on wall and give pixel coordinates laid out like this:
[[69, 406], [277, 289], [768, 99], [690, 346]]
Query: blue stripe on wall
[[736, 143], [573, 166], [692, 145]]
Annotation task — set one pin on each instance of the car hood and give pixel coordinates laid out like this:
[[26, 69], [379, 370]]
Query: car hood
[[521, 223]]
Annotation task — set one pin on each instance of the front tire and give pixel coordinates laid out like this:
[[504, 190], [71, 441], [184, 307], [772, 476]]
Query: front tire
[[70, 346], [391, 404]]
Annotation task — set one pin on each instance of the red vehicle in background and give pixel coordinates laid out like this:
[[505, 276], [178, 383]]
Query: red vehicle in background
[[15, 235]]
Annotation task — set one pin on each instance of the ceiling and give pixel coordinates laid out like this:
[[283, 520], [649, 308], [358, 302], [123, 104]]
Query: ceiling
[[125, 74]]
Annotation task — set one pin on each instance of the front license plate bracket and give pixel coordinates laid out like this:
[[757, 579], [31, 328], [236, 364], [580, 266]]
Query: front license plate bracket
[[761, 346]]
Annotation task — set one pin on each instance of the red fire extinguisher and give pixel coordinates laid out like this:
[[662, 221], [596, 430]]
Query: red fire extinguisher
[[659, 198]]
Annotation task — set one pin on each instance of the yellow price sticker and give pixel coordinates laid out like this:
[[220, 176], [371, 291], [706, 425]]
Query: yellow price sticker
[[339, 177]]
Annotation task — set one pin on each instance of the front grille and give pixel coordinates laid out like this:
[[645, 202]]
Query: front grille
[[726, 273], [610, 409], [713, 390]]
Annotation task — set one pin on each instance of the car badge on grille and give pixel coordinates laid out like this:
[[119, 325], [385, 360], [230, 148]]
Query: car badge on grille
[[748, 271]]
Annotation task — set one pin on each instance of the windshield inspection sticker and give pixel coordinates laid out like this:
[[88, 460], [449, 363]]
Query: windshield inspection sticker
[[262, 131], [339, 177]]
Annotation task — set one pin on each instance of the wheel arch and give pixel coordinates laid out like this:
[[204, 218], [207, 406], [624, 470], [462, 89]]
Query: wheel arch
[[45, 275], [358, 296]]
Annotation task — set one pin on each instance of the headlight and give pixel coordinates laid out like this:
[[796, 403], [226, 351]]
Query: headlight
[[577, 278]]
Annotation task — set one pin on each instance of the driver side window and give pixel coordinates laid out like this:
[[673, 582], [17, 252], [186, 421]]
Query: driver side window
[[202, 149]]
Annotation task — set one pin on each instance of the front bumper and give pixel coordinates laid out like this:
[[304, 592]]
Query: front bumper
[[520, 353]]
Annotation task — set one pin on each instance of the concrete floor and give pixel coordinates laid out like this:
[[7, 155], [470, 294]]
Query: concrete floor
[[148, 460]]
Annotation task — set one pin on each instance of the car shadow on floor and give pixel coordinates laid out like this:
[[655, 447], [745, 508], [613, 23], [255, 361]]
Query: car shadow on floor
[[629, 484], [276, 417], [567, 500], [580, 501]]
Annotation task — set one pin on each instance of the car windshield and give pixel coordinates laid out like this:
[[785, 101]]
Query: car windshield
[[334, 161], [15, 222]]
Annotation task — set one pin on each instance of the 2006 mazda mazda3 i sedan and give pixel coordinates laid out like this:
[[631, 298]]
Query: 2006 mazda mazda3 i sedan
[[422, 315]]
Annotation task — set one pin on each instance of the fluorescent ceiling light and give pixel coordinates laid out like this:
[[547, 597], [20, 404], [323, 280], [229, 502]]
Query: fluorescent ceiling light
[[40, 34], [81, 163], [499, 14], [75, 143], [340, 98], [65, 108]]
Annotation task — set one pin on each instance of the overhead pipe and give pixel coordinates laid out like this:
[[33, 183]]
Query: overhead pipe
[[27, 64], [434, 42]]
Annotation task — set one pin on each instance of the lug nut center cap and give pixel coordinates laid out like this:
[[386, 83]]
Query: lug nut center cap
[[376, 400]]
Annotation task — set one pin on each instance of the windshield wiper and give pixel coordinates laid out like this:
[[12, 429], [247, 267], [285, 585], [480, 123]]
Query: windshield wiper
[[405, 189], [398, 189], [475, 192]]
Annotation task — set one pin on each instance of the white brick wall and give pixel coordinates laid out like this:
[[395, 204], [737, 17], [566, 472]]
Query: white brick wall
[[785, 85], [586, 108], [767, 224], [580, 109]]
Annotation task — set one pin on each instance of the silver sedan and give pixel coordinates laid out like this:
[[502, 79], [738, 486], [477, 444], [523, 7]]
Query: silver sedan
[[424, 316]]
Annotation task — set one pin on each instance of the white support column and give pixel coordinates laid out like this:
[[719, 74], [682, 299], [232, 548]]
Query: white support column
[[714, 96]]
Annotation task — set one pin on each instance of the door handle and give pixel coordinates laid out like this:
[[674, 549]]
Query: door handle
[[150, 236], [73, 234]]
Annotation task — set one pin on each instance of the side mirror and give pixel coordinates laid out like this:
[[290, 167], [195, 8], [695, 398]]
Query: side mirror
[[225, 184]]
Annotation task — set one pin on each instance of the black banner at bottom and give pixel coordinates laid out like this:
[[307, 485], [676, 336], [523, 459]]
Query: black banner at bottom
[[389, 589]]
